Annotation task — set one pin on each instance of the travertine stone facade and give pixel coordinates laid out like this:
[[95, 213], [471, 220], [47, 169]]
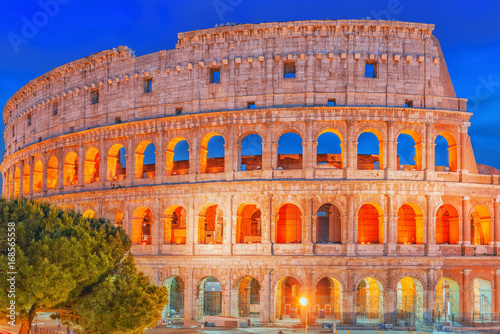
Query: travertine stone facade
[[265, 218]]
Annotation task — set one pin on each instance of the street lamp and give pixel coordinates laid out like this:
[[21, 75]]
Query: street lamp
[[303, 302]]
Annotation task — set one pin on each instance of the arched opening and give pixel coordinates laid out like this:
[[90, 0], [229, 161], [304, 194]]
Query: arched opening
[[142, 224], [89, 214], [445, 152], [410, 301], [248, 226], [91, 166], [212, 154], [52, 172], [115, 216], [328, 305], [211, 225], [174, 309], [370, 301], [70, 170], [370, 150], [251, 153], [116, 163], [38, 176], [447, 299], [175, 225], [329, 225], [409, 156], [26, 179], [248, 298], [329, 150], [290, 151], [17, 182], [209, 301], [410, 225], [480, 226], [289, 224], [481, 300], [178, 157], [145, 159], [287, 299], [447, 231], [370, 224]]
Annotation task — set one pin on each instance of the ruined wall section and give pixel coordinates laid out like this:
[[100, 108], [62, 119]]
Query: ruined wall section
[[329, 58]]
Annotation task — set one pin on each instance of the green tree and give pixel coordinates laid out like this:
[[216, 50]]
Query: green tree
[[63, 260]]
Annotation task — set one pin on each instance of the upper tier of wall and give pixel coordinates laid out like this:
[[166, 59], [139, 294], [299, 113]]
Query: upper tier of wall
[[329, 57]]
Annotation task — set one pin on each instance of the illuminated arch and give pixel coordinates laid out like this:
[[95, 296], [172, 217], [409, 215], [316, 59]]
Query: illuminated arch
[[174, 228], [447, 299], [368, 161], [370, 301], [480, 225], [288, 293], [38, 176], [481, 299], [209, 300], [247, 303], [330, 150], [410, 224], [91, 166], [142, 226], [52, 172], [178, 156], [329, 299], [248, 226], [447, 225], [370, 224], [17, 182], [211, 159], [211, 224], [26, 179], [289, 224], [410, 300], [175, 304], [70, 169], [145, 151], [328, 224], [89, 214], [451, 161], [417, 146], [116, 163]]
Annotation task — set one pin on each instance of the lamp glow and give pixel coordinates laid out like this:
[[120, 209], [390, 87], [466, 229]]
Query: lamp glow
[[303, 301]]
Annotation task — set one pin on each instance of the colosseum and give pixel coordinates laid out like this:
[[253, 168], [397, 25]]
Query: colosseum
[[235, 163]]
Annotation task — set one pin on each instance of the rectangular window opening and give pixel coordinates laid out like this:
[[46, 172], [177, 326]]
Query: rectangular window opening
[[39, 139], [29, 120], [215, 75], [289, 70], [178, 111], [13, 131], [408, 104], [148, 85], [55, 109], [95, 96], [118, 120], [331, 102], [371, 70], [250, 105], [71, 129]]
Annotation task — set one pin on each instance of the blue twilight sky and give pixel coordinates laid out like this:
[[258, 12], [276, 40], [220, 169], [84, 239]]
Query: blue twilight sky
[[469, 33]]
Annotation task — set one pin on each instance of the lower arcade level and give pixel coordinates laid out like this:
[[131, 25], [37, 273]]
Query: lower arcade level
[[364, 291]]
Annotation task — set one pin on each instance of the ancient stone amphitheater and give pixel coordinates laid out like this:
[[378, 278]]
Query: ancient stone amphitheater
[[233, 163]]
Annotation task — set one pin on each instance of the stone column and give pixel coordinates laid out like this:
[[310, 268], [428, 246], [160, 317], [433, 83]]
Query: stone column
[[267, 152], [229, 167], [430, 300], [265, 300], [466, 221], [391, 231], [189, 296], [130, 173], [160, 170], [44, 176], [349, 305], [191, 226], [466, 304], [21, 178], [81, 169], [60, 170], [495, 232], [429, 151], [102, 166], [391, 148], [430, 226], [228, 298], [308, 156], [497, 291], [194, 157], [351, 227], [32, 167], [350, 151]]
